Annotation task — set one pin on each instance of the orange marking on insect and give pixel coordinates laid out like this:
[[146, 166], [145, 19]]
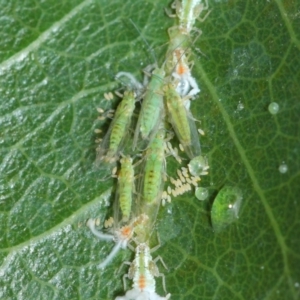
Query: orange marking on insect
[[142, 282], [126, 231], [181, 67]]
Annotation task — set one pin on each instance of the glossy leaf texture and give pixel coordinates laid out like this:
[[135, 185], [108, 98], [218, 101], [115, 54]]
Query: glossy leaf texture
[[58, 58]]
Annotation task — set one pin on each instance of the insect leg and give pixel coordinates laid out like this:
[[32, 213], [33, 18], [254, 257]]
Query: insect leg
[[163, 279], [127, 263], [111, 255], [97, 233], [133, 81], [124, 281], [159, 258], [205, 7], [195, 89]]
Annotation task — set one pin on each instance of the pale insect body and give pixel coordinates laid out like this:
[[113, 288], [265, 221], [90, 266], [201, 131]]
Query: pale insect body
[[177, 62], [178, 51], [125, 188], [177, 40], [142, 227], [182, 122], [110, 147], [187, 85], [176, 65], [188, 11], [179, 68], [121, 237], [142, 271], [134, 294]]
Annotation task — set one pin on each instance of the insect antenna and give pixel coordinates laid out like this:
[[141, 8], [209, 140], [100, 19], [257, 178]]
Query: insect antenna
[[150, 49]]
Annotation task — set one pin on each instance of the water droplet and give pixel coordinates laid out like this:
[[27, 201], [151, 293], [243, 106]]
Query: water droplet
[[55, 28], [198, 166], [273, 108], [201, 193], [226, 207], [283, 168], [240, 106]]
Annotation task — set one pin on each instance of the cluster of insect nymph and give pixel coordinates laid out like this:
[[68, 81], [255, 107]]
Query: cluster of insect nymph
[[164, 115]]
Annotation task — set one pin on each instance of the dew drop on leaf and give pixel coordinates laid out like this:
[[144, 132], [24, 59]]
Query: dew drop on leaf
[[240, 106], [283, 168], [273, 108], [198, 165], [201, 193], [225, 208]]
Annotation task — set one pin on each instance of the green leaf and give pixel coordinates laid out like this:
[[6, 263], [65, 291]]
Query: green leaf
[[58, 58]]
